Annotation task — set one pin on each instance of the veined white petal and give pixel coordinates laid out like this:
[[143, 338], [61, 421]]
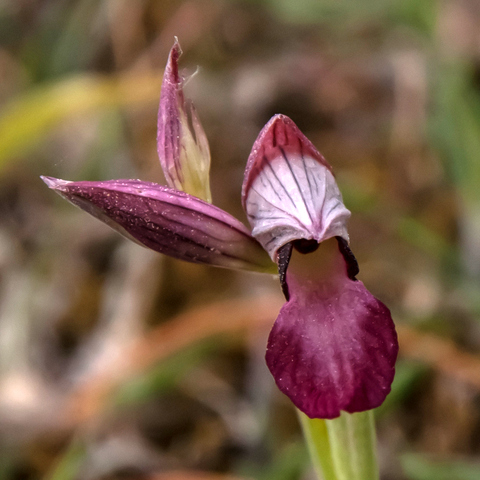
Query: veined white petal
[[291, 194]]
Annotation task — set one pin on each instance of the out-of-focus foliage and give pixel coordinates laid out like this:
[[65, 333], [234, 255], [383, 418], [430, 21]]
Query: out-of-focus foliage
[[418, 468], [118, 363], [28, 119], [420, 15]]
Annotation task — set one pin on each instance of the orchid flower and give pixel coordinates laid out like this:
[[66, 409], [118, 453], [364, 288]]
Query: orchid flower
[[333, 346]]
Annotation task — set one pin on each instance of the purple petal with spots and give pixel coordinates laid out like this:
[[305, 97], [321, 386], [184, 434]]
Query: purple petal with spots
[[167, 221], [289, 192], [333, 346]]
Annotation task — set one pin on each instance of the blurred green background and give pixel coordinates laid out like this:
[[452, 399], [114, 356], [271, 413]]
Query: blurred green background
[[118, 363]]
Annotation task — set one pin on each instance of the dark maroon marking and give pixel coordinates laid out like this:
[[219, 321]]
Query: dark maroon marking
[[283, 259], [305, 246], [350, 260]]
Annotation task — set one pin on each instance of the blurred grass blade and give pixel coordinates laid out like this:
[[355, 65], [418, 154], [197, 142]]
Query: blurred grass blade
[[419, 15], [70, 463], [417, 468], [163, 377], [28, 118], [426, 239], [408, 375], [455, 126], [288, 464]]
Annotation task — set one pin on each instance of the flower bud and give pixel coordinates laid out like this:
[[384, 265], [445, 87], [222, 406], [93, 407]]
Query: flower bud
[[181, 141]]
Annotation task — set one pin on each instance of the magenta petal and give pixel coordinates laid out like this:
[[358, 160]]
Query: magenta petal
[[167, 221], [333, 347]]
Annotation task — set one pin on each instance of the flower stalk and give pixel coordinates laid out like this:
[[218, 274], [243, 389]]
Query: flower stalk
[[343, 448]]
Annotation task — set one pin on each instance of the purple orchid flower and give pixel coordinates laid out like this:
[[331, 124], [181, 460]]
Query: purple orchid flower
[[333, 346]]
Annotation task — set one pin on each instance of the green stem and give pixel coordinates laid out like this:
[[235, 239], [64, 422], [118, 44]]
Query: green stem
[[342, 448]]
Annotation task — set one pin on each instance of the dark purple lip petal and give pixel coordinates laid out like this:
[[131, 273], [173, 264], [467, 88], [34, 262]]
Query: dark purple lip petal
[[333, 346], [167, 221]]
